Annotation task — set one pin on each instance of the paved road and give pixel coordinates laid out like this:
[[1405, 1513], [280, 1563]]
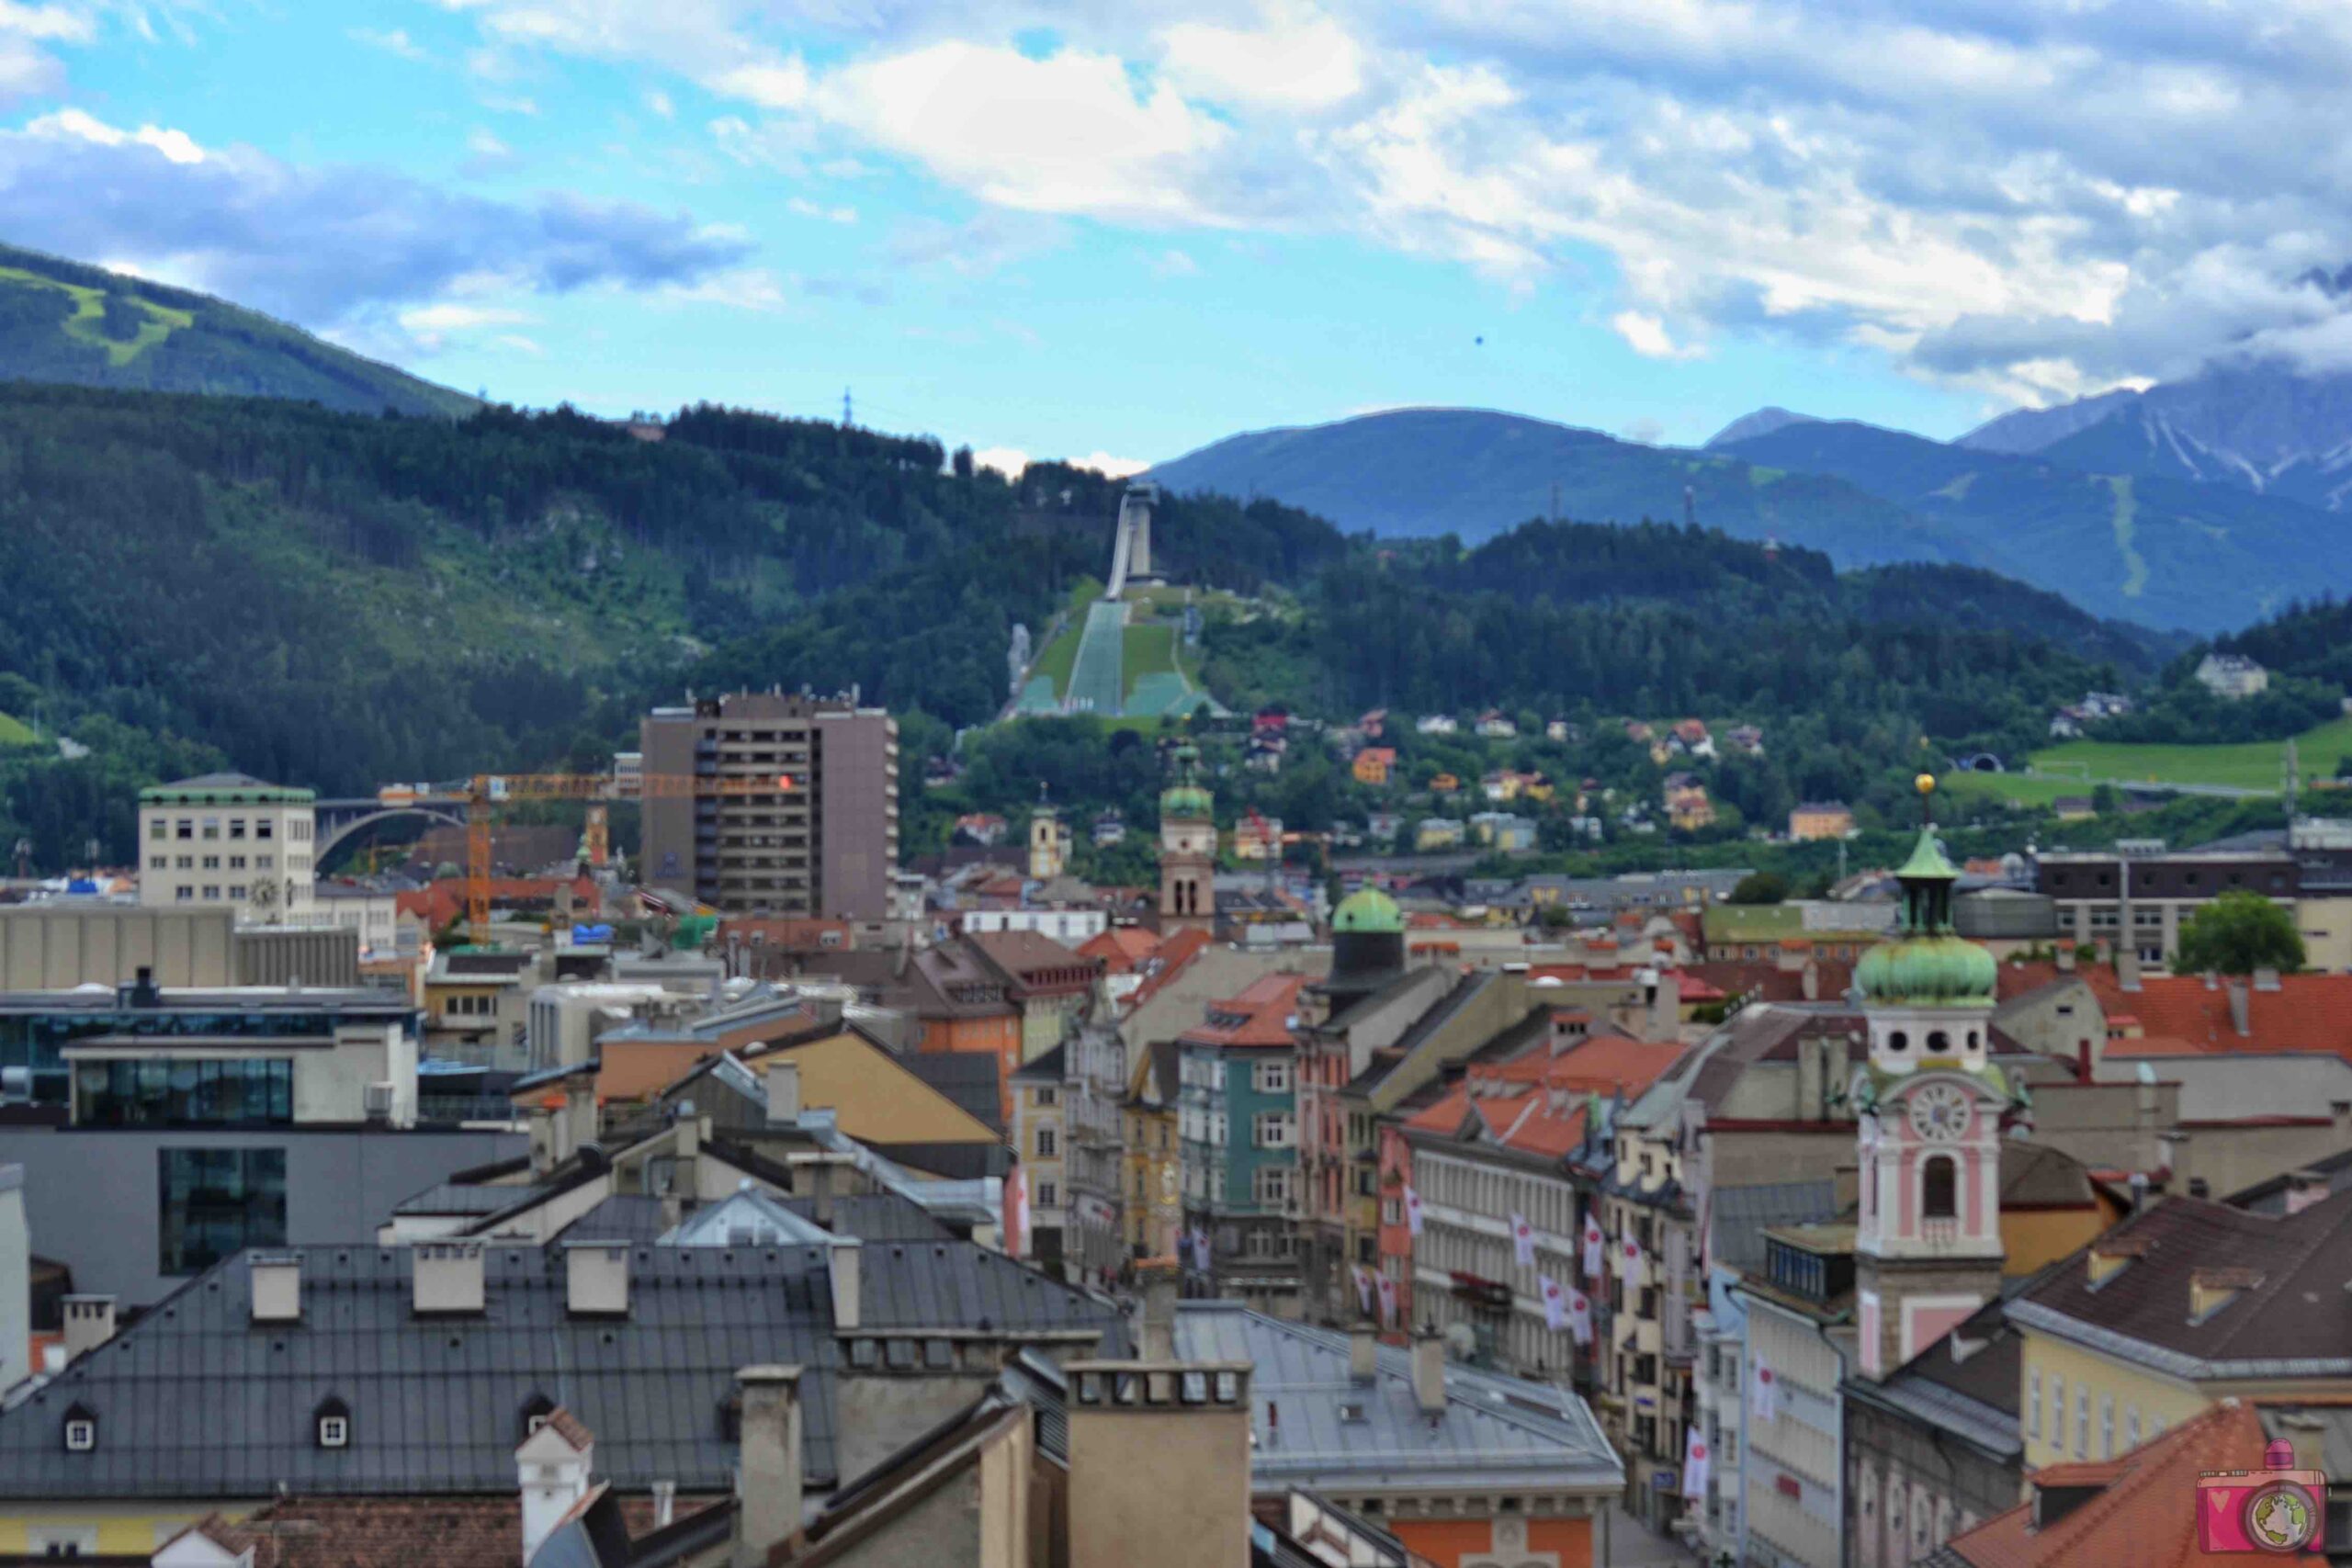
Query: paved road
[[1632, 1544]]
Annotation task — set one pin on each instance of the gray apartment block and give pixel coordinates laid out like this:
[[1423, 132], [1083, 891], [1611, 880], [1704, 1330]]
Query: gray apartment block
[[117, 1205], [826, 846]]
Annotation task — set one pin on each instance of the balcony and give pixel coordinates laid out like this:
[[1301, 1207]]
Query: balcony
[[1939, 1232]]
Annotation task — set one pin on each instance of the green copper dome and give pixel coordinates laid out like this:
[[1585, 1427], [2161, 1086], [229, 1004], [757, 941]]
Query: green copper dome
[[1928, 963], [1368, 910], [1187, 796]]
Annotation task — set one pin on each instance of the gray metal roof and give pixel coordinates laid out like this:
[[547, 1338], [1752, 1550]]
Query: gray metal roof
[[876, 1216], [1497, 1430], [195, 1400], [624, 1217], [1738, 1216], [463, 1198], [747, 1218]]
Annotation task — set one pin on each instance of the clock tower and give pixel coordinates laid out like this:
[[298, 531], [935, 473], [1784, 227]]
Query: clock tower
[[1187, 849], [1930, 1104]]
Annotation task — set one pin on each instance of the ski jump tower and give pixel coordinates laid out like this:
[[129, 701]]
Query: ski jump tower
[[1131, 547]]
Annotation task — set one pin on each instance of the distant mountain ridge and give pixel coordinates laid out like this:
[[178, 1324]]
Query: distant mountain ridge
[[64, 321], [1474, 472], [2262, 427]]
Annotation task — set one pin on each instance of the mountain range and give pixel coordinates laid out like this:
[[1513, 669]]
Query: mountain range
[[63, 321], [2099, 501]]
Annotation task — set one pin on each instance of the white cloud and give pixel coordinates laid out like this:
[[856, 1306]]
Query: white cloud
[[1006, 460], [2025, 198], [520, 344], [1105, 463], [1174, 263], [804, 208], [1647, 336], [176, 146], [659, 102], [391, 40], [740, 289]]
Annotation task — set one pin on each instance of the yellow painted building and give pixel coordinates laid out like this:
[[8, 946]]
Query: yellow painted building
[[1155, 1200]]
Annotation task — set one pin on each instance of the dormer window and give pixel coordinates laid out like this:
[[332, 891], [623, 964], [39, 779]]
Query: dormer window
[[331, 1423], [536, 1411], [81, 1430]]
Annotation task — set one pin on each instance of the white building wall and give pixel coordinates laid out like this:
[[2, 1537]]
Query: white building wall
[[1794, 1509], [219, 855]]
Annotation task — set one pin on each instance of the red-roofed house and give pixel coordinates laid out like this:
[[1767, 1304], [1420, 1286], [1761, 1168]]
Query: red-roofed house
[[1490, 1152]]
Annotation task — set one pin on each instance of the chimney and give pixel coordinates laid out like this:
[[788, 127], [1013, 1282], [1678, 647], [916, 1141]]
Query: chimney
[[1158, 1338], [89, 1323], [783, 1077], [597, 1278], [580, 1121], [551, 1469], [1429, 1372], [1363, 1351], [541, 1121], [2304, 1188], [2266, 979], [685, 1149], [2340, 1111], [822, 1176], [2066, 958], [1158, 1463], [446, 1277], [2241, 1010], [2127, 965], [846, 1268], [278, 1287], [767, 1477]]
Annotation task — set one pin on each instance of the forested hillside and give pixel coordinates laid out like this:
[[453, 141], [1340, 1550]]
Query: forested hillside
[[340, 600]]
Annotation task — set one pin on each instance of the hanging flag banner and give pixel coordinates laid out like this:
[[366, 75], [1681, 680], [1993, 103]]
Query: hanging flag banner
[[1766, 1400], [1581, 1317], [1629, 1259], [1522, 1241], [1387, 1302], [1412, 1209], [1694, 1467], [1016, 1213], [1364, 1290], [1594, 1258], [1555, 1303]]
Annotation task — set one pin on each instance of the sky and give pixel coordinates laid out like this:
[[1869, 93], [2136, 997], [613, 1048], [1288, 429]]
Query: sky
[[1117, 230]]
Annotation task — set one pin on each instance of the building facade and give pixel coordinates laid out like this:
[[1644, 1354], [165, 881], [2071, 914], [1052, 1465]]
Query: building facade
[[2136, 900], [227, 840], [1187, 849], [823, 842], [1237, 1122]]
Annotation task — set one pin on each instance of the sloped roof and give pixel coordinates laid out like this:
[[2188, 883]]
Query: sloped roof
[[967, 1078], [1737, 1217], [1264, 1014], [195, 1400], [2141, 1515], [2304, 1012], [1496, 1431], [2299, 1313]]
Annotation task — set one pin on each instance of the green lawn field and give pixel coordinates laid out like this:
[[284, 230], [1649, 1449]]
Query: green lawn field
[[2074, 767], [15, 731]]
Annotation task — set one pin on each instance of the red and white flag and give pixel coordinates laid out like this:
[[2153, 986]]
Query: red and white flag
[[1595, 1258], [1387, 1301], [1766, 1402], [1016, 1213], [1522, 1241], [1555, 1303], [1364, 1290], [1629, 1257], [1412, 1209], [1694, 1467], [1581, 1317]]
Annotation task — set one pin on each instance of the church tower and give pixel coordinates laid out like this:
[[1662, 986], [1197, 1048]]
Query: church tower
[[1928, 1104], [1048, 842], [1187, 849]]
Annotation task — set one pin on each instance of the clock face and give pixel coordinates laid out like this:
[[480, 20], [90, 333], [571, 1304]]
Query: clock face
[[1939, 1112]]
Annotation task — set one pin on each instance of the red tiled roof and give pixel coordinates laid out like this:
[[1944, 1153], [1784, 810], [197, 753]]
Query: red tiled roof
[[440, 902], [1121, 948], [2306, 1012], [1262, 1015], [1518, 1115], [2145, 1512], [1172, 954]]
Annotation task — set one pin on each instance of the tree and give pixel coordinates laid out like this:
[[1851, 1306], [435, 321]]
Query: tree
[[1760, 887], [2238, 933]]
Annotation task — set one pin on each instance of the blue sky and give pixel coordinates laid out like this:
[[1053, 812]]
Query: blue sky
[[1122, 228]]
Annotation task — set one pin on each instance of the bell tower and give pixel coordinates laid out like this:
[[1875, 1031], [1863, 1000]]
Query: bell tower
[[1187, 849], [1048, 842], [1929, 1103]]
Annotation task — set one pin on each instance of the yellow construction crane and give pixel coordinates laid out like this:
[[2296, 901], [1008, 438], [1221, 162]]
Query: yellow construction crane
[[486, 791]]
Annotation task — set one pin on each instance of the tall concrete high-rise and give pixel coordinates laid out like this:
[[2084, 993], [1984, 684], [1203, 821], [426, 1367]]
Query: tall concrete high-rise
[[824, 844]]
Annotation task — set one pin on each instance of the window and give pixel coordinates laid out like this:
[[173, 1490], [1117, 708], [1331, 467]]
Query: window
[[217, 1201], [1271, 1078], [264, 827], [212, 827], [185, 827], [62, 1541], [2107, 1425], [2082, 1422], [333, 1421], [2057, 1411], [81, 1430], [236, 863], [213, 862], [2131, 1427], [1940, 1187], [159, 1091], [236, 827], [1272, 1129], [212, 890], [1046, 1096], [184, 894], [1271, 1186], [1046, 1143], [157, 863], [156, 828], [1047, 1197], [187, 862], [2033, 1403], [237, 890]]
